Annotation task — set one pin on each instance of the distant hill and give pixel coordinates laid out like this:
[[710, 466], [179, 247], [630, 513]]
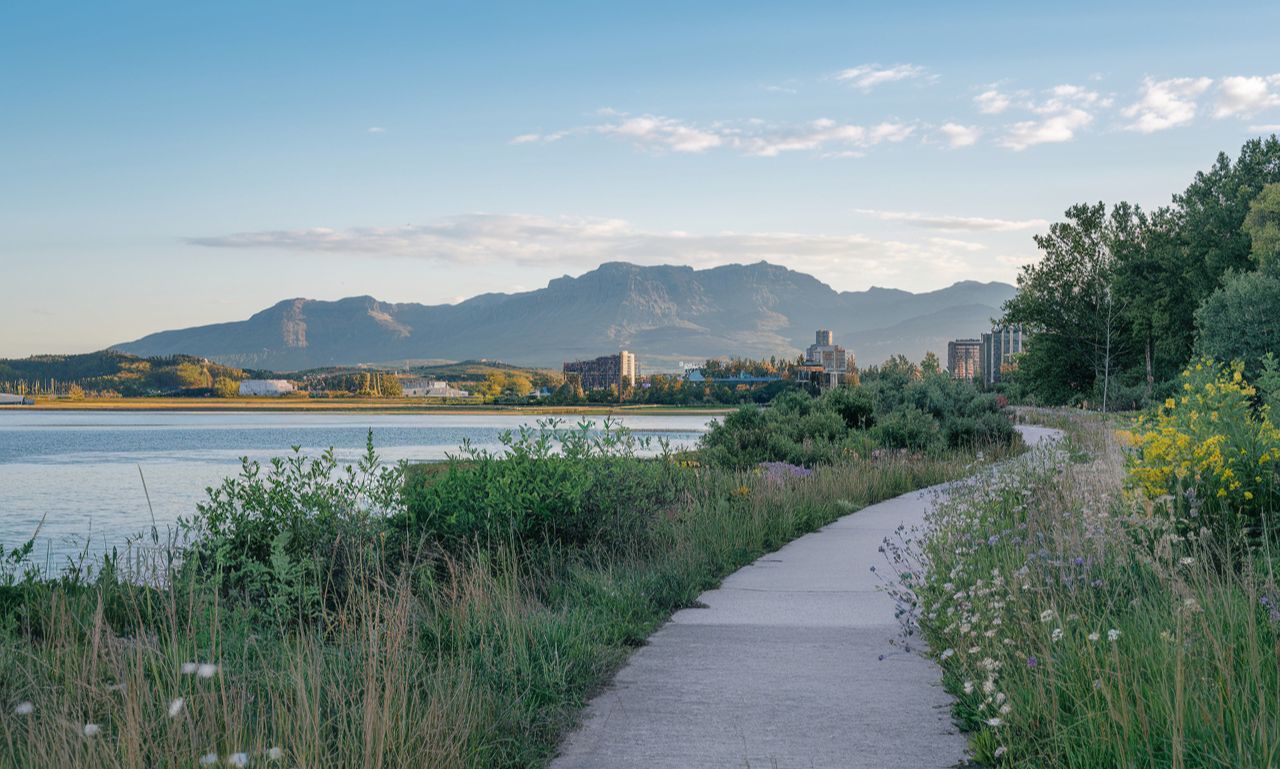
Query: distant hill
[[664, 314]]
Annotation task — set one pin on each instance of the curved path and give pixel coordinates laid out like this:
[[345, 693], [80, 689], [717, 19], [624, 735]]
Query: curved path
[[782, 669]]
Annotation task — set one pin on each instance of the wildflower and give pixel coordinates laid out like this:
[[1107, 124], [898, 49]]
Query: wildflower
[[1032, 662], [1188, 561], [1000, 751], [175, 707], [207, 670], [1113, 635], [24, 708], [1046, 615], [1005, 709], [91, 730], [238, 759], [946, 653], [189, 668], [1056, 634], [1097, 683], [274, 754], [209, 759], [994, 722], [1094, 636]]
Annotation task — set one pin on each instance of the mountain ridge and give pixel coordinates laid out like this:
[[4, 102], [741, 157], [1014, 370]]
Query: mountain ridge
[[663, 313]]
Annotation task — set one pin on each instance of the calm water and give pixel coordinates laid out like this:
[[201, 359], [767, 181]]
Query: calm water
[[79, 470]]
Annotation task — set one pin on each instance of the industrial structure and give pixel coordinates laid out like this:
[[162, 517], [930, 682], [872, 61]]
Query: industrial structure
[[269, 387], [424, 388], [607, 371], [827, 360], [964, 359]]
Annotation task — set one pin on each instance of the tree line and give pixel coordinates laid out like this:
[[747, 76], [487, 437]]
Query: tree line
[[1122, 298]]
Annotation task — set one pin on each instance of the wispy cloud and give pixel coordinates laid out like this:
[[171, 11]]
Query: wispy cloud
[[376, 130], [1246, 95], [657, 133], [992, 102], [1265, 128], [1063, 110], [958, 135], [529, 240], [952, 223], [1165, 104], [868, 76]]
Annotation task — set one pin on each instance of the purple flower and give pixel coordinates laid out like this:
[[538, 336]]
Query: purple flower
[[1079, 561], [1032, 662], [780, 472]]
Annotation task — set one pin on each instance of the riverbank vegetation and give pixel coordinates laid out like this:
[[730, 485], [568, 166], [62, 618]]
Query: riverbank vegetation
[[451, 615], [1113, 601]]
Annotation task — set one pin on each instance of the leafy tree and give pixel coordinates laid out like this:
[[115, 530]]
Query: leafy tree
[[1241, 321], [930, 364], [75, 392], [226, 387], [192, 375], [1262, 223]]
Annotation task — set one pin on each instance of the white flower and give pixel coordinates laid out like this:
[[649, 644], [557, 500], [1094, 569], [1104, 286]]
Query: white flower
[[1000, 751], [188, 668], [238, 759], [209, 759], [207, 670], [1112, 635], [24, 708], [1056, 634], [1187, 561], [968, 687], [946, 653], [994, 722], [175, 707], [275, 754], [1094, 636], [1046, 615], [92, 730], [1005, 708]]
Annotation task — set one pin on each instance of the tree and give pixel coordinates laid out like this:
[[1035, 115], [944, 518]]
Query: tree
[[75, 392], [192, 375], [930, 364], [1240, 321], [1262, 223], [226, 387]]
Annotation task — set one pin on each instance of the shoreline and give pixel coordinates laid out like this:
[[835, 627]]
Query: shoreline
[[364, 406]]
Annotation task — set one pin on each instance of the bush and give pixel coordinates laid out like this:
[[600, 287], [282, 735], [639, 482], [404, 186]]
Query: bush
[[572, 487], [907, 427]]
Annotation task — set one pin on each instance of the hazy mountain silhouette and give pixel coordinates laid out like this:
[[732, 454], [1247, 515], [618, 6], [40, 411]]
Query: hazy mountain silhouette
[[664, 314]]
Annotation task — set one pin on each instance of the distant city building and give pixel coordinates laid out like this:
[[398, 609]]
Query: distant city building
[[604, 372], [271, 387], [424, 388], [833, 359], [964, 359], [998, 349]]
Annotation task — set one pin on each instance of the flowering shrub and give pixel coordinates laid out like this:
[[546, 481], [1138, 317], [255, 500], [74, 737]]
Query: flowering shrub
[[1209, 450]]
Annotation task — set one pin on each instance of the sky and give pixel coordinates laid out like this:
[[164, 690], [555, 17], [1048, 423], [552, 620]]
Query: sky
[[165, 165]]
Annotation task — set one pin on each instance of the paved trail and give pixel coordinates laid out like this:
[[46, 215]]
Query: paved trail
[[782, 669]]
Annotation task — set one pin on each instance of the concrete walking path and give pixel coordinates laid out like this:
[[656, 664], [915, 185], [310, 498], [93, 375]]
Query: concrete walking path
[[782, 669]]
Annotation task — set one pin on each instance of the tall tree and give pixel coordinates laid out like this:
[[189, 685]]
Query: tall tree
[[1262, 224]]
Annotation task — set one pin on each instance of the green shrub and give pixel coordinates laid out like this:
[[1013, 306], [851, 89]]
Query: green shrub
[[907, 427]]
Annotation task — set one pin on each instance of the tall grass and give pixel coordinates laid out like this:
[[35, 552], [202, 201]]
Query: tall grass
[[1081, 625], [476, 656]]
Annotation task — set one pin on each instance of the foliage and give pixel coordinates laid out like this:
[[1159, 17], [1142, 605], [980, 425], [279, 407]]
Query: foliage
[[1210, 454], [1262, 223], [110, 371], [1241, 320]]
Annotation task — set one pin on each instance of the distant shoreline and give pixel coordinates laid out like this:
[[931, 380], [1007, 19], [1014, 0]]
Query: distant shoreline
[[357, 405]]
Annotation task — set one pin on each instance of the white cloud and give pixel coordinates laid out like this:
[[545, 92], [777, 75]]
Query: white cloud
[[869, 76], [992, 102], [953, 223], [1266, 128], [1246, 95], [656, 133], [1064, 110], [960, 135], [528, 240], [377, 130], [1166, 104]]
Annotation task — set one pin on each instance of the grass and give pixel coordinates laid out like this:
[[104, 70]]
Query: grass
[[476, 658], [1080, 624]]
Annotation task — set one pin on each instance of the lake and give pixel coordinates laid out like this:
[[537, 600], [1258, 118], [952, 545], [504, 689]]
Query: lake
[[79, 471]]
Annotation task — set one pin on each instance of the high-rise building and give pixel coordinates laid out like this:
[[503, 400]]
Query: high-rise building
[[964, 359], [998, 349], [833, 358], [606, 371]]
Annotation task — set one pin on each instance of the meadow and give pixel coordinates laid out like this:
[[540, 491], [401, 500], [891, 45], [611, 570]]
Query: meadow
[[1112, 601], [452, 615]]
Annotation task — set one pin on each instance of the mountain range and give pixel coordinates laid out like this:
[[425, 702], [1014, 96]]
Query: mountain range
[[664, 314]]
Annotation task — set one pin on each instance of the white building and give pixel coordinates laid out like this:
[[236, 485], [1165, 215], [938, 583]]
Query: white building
[[422, 388], [270, 387], [7, 399]]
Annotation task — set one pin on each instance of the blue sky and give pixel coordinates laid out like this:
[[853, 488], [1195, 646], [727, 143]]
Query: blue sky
[[171, 164]]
